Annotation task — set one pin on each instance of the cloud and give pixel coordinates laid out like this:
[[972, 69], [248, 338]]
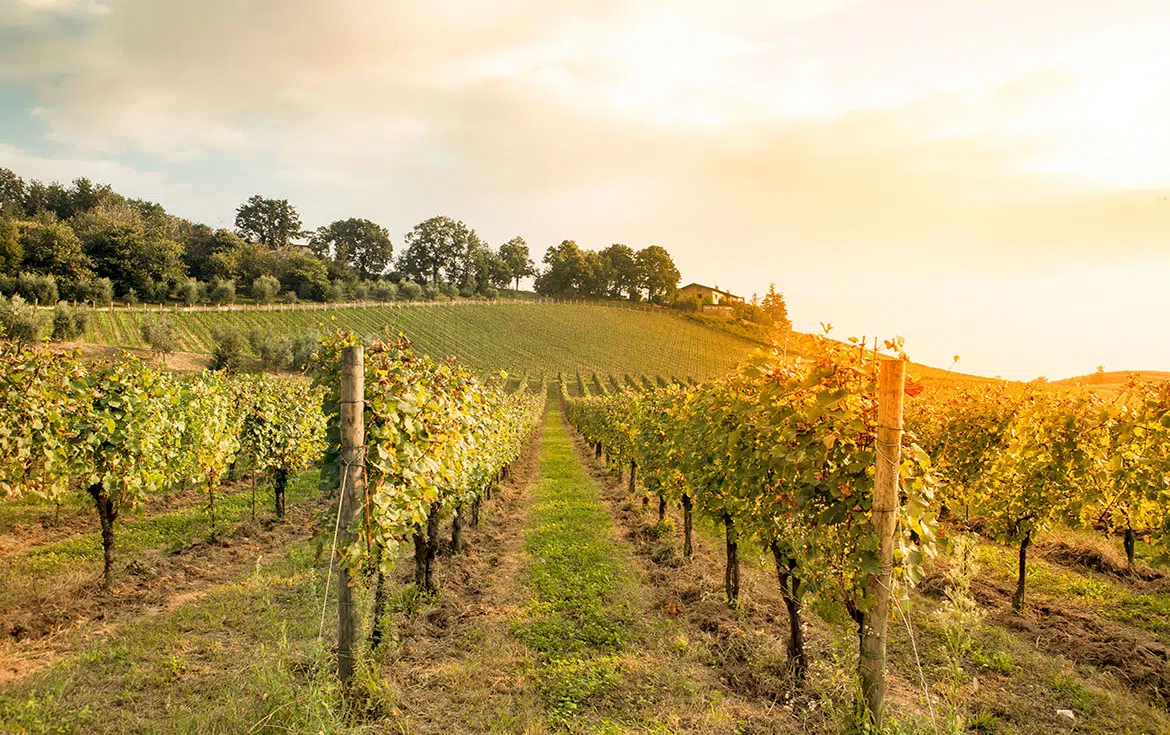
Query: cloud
[[648, 121]]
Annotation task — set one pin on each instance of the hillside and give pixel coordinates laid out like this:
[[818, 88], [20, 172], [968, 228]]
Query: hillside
[[516, 337], [1113, 379], [528, 337]]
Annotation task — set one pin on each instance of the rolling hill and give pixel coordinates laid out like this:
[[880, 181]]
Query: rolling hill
[[517, 337]]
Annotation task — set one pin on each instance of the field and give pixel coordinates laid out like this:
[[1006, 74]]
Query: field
[[572, 610], [569, 603], [533, 338]]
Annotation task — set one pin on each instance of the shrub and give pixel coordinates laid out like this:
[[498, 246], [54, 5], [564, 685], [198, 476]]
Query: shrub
[[7, 285], [291, 297], [265, 289], [161, 335], [154, 291], [360, 291], [36, 288], [491, 292], [336, 292], [384, 291], [410, 290], [229, 350], [19, 321], [190, 292], [466, 292], [131, 297], [275, 351], [101, 291], [431, 291], [301, 351], [223, 291], [451, 291], [68, 322]]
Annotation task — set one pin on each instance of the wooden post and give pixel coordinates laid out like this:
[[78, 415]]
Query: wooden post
[[891, 382], [353, 483]]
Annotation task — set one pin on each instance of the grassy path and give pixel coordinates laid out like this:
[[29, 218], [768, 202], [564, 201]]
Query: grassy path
[[605, 661], [581, 609]]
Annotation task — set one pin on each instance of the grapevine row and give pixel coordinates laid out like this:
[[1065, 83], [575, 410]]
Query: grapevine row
[[781, 452], [119, 430], [1016, 460], [436, 440]]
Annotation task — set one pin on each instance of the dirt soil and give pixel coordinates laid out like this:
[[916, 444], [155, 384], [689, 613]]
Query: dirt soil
[[431, 661], [1086, 558], [69, 612], [183, 362], [1063, 627]]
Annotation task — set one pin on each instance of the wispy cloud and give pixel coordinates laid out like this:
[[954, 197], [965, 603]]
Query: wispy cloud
[[963, 139]]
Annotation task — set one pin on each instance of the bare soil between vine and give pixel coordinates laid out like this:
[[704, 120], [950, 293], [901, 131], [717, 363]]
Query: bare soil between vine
[[1061, 627], [70, 612], [451, 662]]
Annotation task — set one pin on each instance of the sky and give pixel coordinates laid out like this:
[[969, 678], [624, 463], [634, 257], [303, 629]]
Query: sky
[[985, 178]]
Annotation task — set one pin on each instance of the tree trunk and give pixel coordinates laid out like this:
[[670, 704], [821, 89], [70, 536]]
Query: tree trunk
[[432, 547], [1130, 544], [211, 503], [379, 631], [253, 490], [475, 514], [279, 483], [731, 573], [790, 591], [858, 617], [598, 451], [661, 508], [420, 557], [457, 530], [107, 514], [633, 476], [688, 527], [1018, 597]]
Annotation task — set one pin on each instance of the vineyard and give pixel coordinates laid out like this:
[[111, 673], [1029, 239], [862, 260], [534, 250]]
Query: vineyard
[[799, 545], [533, 338]]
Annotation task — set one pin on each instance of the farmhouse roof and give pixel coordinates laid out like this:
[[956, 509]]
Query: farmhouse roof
[[709, 288]]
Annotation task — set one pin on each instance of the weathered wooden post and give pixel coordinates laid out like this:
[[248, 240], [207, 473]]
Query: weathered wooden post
[[891, 382], [353, 484]]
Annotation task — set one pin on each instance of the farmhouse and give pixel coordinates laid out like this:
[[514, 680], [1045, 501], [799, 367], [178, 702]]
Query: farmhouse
[[708, 295]]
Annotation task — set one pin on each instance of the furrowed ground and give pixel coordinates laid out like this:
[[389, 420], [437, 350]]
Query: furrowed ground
[[572, 610]]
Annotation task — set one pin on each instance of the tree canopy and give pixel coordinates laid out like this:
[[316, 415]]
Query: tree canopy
[[94, 241], [273, 222], [356, 243]]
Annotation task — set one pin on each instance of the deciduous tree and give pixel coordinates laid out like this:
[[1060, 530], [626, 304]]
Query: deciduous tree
[[357, 243], [518, 260], [657, 274], [273, 222]]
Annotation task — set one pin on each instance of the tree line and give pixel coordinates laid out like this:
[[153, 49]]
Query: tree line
[[87, 242]]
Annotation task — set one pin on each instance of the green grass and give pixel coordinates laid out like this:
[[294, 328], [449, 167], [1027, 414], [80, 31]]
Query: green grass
[[579, 614], [532, 338], [172, 530], [244, 659]]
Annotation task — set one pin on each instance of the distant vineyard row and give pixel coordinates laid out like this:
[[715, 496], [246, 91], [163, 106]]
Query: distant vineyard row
[[545, 338]]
